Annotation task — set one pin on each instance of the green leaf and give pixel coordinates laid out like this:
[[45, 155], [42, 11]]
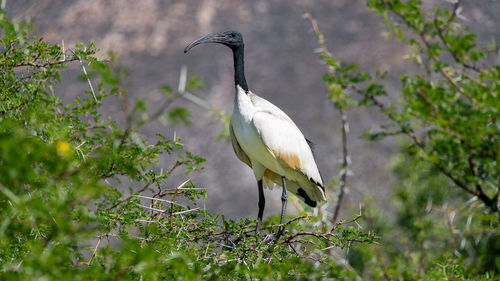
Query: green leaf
[[180, 115]]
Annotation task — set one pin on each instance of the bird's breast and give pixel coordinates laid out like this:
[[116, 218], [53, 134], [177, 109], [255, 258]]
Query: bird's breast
[[241, 119], [245, 132]]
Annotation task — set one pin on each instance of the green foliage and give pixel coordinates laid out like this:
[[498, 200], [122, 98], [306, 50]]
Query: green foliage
[[434, 234], [446, 202], [449, 110], [180, 115], [82, 196]]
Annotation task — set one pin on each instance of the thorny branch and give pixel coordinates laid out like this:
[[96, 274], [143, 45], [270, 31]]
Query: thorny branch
[[38, 64], [405, 128], [409, 132], [490, 202], [144, 188], [323, 235], [35, 63], [454, 13], [285, 224], [440, 34]]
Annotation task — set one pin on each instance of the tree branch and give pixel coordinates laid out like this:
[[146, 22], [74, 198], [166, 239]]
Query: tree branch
[[345, 164], [343, 117], [34, 62]]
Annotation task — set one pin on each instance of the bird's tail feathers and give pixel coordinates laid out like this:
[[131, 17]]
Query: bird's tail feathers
[[308, 192]]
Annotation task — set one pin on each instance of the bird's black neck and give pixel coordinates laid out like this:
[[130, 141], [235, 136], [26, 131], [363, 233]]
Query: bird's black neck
[[239, 68]]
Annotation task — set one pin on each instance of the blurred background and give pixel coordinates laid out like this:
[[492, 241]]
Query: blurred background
[[281, 66]]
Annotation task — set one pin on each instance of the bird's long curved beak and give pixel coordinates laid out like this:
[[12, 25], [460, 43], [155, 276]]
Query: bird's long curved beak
[[210, 38]]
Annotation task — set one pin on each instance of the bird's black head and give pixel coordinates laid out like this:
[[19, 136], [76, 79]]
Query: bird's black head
[[230, 38]]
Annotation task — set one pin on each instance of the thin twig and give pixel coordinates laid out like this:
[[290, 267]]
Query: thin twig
[[341, 222], [343, 117], [172, 205], [99, 239], [159, 199], [45, 64], [345, 165], [284, 224]]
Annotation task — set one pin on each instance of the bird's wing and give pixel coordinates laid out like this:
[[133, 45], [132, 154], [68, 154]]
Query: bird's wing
[[284, 140], [237, 148]]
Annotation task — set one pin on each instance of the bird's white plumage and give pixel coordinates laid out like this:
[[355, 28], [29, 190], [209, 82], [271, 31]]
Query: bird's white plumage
[[267, 140]]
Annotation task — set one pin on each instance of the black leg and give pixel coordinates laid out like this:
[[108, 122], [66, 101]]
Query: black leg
[[284, 199], [262, 204]]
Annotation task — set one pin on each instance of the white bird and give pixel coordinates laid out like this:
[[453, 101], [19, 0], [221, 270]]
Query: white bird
[[266, 139]]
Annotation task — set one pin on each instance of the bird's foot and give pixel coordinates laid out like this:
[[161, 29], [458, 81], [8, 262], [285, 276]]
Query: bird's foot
[[269, 238], [273, 237], [280, 231], [236, 241]]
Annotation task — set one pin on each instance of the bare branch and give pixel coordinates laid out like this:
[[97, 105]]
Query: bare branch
[[99, 239], [343, 117], [345, 165], [159, 199]]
